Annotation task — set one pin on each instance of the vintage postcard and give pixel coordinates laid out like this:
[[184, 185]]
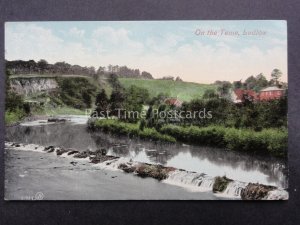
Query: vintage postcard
[[146, 110]]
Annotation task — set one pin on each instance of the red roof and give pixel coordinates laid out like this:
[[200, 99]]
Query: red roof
[[240, 93], [173, 101]]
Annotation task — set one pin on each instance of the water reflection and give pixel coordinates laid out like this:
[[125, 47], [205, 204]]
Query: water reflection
[[212, 161]]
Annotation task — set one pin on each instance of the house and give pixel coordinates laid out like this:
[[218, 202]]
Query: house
[[240, 95], [173, 101], [271, 93]]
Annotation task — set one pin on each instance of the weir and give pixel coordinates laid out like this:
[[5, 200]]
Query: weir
[[196, 182]]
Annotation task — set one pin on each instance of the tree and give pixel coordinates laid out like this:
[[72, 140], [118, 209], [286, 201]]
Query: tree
[[101, 70], [102, 104], [178, 79], [43, 65], [250, 82], [237, 84], [223, 87], [87, 98], [146, 75], [210, 93], [116, 101], [261, 81], [135, 98], [114, 81], [276, 74]]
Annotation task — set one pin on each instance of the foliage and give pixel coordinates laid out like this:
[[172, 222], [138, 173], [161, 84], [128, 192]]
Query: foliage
[[122, 128], [276, 74], [43, 67], [210, 93], [12, 117], [102, 103], [15, 108], [264, 114], [184, 91], [135, 98], [76, 91], [273, 141], [223, 87]]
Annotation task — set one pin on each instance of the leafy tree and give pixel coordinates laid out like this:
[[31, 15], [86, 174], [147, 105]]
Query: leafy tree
[[261, 82], [13, 101], [276, 74], [102, 104], [135, 98], [114, 81], [43, 65], [210, 93], [223, 87], [116, 101], [178, 79], [76, 91], [250, 83], [237, 84], [87, 98]]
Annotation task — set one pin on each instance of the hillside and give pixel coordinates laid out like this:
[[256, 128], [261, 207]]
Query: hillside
[[183, 90]]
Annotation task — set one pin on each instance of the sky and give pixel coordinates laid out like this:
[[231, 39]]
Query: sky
[[164, 48]]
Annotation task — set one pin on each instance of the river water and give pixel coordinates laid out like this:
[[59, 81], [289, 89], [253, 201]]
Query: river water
[[73, 134]]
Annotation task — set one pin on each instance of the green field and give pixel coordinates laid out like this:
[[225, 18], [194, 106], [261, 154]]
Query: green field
[[185, 91]]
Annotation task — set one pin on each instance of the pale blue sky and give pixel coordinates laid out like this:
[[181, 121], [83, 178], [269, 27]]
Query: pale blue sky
[[159, 47]]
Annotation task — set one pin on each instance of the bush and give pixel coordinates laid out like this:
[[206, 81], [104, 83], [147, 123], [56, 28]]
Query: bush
[[133, 130], [76, 92], [273, 141]]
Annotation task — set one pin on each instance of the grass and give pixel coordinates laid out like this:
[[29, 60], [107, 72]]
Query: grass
[[12, 117], [185, 91], [272, 141], [63, 110], [122, 128]]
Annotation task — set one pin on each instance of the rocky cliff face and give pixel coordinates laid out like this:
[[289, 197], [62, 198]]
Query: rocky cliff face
[[27, 86]]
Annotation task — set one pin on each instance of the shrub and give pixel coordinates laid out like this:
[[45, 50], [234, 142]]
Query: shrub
[[133, 130], [273, 141]]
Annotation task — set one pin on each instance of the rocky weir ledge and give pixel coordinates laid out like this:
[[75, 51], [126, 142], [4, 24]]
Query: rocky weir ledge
[[220, 186]]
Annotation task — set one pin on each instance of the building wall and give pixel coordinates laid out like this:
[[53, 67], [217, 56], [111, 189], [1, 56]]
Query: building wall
[[268, 95]]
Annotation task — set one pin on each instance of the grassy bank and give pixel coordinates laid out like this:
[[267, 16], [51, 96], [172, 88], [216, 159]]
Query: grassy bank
[[272, 141], [117, 127], [185, 91], [267, 141], [13, 117]]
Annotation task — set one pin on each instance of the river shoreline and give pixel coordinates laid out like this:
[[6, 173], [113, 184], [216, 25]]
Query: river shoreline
[[265, 142]]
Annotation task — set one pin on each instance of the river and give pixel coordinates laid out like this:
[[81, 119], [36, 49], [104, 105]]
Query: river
[[28, 172]]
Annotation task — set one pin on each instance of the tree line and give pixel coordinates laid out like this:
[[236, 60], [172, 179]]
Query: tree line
[[255, 83], [43, 67]]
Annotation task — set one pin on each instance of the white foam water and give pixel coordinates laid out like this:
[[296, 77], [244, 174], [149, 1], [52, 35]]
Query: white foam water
[[196, 182], [233, 189], [24, 147], [190, 180], [278, 194], [113, 164]]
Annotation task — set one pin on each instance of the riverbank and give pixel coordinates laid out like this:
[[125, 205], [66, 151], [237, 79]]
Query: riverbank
[[267, 141], [133, 130], [197, 182], [15, 118]]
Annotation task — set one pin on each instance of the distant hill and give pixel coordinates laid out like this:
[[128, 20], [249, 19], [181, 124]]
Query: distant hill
[[185, 91]]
